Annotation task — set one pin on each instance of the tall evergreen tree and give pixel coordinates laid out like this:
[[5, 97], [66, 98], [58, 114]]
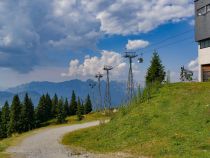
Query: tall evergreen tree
[[54, 105], [27, 114], [15, 113], [66, 107], [88, 105], [41, 110], [82, 107], [73, 104], [1, 127], [155, 72], [79, 110], [5, 118], [48, 103], [61, 115]]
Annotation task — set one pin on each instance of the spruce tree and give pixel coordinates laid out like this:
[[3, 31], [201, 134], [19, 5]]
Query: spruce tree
[[82, 107], [15, 113], [54, 105], [88, 105], [27, 114], [48, 103], [1, 127], [73, 104], [66, 107], [79, 109], [41, 110], [61, 115], [155, 72], [5, 119]]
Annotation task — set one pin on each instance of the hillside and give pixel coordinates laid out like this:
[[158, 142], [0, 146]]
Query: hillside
[[175, 123], [64, 89]]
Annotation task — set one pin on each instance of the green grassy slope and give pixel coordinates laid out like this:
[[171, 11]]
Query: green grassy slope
[[175, 123]]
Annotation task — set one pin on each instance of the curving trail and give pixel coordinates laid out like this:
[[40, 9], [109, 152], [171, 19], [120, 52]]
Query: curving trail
[[46, 144]]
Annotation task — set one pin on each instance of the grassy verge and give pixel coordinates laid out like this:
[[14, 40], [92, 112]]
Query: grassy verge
[[5, 143], [175, 123]]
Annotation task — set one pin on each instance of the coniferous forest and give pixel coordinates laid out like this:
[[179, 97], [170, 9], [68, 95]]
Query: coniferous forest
[[23, 116]]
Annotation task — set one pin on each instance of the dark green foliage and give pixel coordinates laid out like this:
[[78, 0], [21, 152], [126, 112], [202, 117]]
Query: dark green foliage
[[155, 72], [27, 114], [66, 107], [1, 127], [5, 118], [48, 103], [61, 115], [73, 104], [15, 113], [79, 110], [82, 108], [54, 105], [41, 110], [88, 105]]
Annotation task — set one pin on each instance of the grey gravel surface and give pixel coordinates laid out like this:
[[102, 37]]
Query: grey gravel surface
[[46, 144]]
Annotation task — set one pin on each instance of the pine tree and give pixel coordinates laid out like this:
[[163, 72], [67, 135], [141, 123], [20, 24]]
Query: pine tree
[[156, 72], [15, 119], [41, 111], [88, 105], [66, 107], [82, 108], [5, 119], [54, 105], [79, 110], [73, 104], [27, 114], [48, 103], [1, 127], [61, 115]]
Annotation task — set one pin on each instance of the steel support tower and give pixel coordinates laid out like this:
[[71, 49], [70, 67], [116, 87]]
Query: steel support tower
[[92, 86], [107, 96], [130, 83], [99, 76]]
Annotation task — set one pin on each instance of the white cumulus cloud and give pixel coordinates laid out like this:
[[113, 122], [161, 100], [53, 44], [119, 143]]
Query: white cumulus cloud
[[136, 44], [92, 65], [140, 16]]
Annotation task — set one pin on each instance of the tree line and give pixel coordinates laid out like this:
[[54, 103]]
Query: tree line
[[23, 116]]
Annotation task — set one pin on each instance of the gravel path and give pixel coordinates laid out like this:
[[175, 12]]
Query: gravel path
[[46, 144]]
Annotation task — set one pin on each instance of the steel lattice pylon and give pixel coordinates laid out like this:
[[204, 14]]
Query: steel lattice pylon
[[130, 83], [107, 95], [99, 76]]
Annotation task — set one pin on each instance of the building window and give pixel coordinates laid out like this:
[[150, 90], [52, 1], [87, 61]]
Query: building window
[[205, 44], [208, 8], [201, 11]]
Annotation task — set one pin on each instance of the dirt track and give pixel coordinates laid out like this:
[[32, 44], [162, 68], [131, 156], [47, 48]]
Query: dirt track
[[46, 144]]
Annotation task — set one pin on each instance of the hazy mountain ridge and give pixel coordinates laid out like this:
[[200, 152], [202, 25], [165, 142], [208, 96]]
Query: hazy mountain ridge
[[64, 89]]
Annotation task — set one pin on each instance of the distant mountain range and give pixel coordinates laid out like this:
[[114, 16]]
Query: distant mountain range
[[64, 89]]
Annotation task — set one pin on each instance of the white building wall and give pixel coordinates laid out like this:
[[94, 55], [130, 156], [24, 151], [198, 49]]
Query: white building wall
[[203, 59]]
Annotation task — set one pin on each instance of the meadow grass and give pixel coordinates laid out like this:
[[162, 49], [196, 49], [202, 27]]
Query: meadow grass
[[175, 123], [15, 139]]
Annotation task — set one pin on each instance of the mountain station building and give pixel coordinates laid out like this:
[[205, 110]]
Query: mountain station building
[[202, 36]]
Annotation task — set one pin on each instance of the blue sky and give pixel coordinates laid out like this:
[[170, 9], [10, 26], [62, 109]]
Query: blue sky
[[57, 40]]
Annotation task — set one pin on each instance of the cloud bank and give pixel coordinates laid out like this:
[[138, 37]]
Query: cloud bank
[[92, 65], [31, 30]]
